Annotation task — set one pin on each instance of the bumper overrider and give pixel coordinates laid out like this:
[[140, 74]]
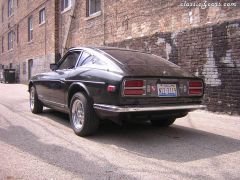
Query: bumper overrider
[[126, 109]]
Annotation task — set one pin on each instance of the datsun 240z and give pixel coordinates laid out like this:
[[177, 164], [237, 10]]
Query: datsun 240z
[[116, 84]]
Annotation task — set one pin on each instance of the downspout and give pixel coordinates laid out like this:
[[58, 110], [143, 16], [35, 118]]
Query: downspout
[[71, 16], [56, 32], [104, 23]]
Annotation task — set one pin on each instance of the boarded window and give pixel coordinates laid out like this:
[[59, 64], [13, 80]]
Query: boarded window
[[2, 44], [24, 68], [2, 13]]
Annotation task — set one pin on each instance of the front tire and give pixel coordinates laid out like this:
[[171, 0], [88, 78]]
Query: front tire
[[82, 116], [36, 105], [165, 122]]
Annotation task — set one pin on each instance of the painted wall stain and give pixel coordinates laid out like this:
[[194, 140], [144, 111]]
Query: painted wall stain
[[168, 47], [227, 60], [210, 70]]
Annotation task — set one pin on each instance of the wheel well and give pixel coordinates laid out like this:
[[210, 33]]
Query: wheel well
[[75, 89]]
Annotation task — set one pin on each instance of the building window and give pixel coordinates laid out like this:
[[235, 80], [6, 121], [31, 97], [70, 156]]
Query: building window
[[10, 7], [30, 28], [93, 6], [17, 32], [42, 16], [24, 68], [65, 4], [2, 44], [2, 13], [10, 40]]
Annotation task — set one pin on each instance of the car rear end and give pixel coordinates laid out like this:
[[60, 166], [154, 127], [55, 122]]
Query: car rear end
[[152, 88]]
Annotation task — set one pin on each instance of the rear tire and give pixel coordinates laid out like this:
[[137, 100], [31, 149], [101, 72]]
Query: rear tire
[[36, 105], [165, 122], [83, 119]]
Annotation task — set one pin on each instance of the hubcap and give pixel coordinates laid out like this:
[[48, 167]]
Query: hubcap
[[78, 114], [32, 98]]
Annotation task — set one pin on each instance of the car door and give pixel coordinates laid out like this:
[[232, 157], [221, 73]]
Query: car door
[[57, 86]]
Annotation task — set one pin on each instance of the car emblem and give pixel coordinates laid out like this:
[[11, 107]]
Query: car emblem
[[153, 88]]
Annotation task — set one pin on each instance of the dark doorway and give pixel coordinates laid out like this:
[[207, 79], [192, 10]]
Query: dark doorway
[[30, 65]]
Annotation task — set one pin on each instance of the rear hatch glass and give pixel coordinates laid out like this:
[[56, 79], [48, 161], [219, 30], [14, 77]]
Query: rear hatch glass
[[127, 57]]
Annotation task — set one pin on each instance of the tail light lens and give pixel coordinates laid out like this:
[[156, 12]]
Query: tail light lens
[[111, 88], [129, 92], [134, 88], [134, 83], [195, 88], [195, 84]]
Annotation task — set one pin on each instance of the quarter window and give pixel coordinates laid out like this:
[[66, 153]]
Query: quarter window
[[30, 28], [10, 40], [70, 61], [10, 7], [42, 16], [94, 6], [84, 58]]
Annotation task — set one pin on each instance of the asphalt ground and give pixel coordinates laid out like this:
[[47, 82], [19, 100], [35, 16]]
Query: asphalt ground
[[201, 145]]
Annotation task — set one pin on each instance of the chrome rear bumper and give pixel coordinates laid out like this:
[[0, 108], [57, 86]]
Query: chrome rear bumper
[[120, 109]]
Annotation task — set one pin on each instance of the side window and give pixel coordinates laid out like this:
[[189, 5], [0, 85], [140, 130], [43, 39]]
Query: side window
[[88, 60], [85, 56], [70, 61]]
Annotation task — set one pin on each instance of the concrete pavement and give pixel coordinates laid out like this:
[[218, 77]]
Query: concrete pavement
[[201, 145]]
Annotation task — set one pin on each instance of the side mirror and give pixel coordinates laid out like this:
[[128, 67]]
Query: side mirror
[[53, 67]]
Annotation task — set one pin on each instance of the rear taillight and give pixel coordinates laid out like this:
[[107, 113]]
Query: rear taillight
[[134, 88], [195, 88], [134, 83]]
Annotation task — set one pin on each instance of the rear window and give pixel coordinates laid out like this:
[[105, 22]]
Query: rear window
[[138, 58]]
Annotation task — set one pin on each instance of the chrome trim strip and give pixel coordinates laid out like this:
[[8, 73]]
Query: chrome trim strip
[[64, 80], [52, 102], [112, 108], [93, 82]]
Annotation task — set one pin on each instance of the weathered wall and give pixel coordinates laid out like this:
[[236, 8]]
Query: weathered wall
[[204, 40], [210, 52]]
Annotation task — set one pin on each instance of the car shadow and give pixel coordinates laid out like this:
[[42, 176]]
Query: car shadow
[[57, 116], [176, 143], [62, 157]]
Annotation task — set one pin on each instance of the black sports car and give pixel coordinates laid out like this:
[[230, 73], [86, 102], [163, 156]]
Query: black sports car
[[117, 84]]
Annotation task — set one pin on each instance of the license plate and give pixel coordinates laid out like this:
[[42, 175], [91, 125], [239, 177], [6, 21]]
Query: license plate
[[167, 90]]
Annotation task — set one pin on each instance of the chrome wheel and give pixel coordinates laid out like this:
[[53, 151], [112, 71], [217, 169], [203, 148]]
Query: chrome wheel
[[32, 98], [78, 114]]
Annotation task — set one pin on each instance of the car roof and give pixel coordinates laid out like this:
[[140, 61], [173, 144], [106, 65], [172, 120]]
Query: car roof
[[102, 48]]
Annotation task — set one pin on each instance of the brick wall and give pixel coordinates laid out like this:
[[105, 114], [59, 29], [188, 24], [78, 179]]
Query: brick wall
[[210, 52], [41, 49], [203, 40]]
